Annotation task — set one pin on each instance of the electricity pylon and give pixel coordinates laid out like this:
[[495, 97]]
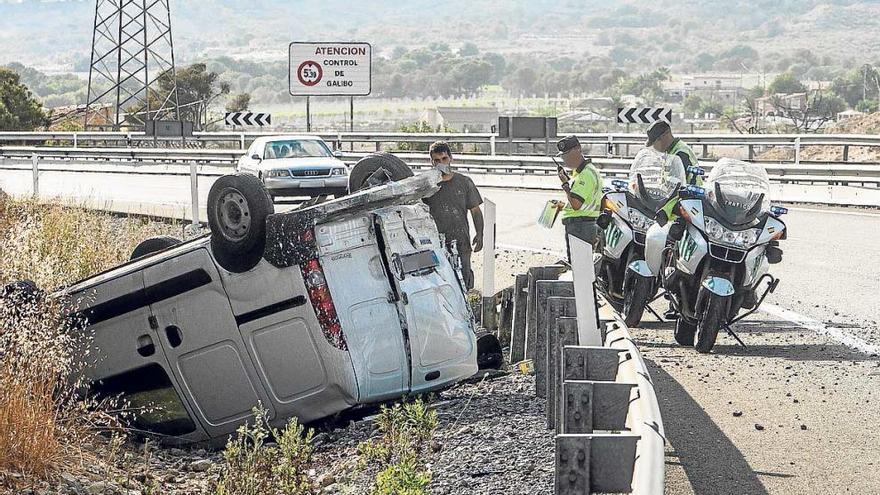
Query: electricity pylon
[[132, 64]]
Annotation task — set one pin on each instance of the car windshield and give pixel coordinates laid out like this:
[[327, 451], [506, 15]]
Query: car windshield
[[295, 148], [660, 173]]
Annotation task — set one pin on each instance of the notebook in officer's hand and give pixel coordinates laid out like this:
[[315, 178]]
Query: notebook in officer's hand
[[549, 214]]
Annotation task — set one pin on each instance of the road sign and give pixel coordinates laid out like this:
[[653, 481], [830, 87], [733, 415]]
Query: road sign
[[643, 115], [330, 69], [248, 118]]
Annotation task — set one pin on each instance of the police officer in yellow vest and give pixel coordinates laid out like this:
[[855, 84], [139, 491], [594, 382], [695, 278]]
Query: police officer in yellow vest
[[583, 191], [661, 139]]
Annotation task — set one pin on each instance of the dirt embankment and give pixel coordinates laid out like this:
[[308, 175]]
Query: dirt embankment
[[866, 124]]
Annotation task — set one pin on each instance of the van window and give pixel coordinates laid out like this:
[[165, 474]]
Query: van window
[[150, 395]]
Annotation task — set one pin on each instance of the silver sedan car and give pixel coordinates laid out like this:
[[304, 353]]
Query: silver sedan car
[[296, 166]]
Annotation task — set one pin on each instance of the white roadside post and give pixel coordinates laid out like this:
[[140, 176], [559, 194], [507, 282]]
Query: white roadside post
[[488, 264], [194, 189], [797, 151], [584, 293], [36, 173]]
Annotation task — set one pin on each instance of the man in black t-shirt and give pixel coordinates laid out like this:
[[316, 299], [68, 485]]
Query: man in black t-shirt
[[449, 207]]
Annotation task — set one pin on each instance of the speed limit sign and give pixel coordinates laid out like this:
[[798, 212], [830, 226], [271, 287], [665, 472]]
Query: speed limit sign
[[309, 73]]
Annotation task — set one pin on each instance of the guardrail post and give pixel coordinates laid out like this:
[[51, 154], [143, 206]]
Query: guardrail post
[[846, 152], [565, 334], [74, 140], [492, 145], [609, 151], [797, 151], [194, 190], [489, 266], [557, 308], [589, 405], [601, 463], [518, 329], [35, 164], [242, 141], [547, 291], [751, 152], [536, 274]]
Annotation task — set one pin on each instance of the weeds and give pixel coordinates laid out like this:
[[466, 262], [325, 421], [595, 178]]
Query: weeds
[[406, 431], [43, 424], [255, 468]]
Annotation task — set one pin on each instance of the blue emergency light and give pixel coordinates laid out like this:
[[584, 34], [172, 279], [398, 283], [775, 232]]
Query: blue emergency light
[[695, 191], [778, 210], [619, 184], [694, 170]]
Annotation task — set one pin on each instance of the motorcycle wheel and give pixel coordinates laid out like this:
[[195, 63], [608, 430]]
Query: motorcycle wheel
[[714, 316], [634, 300], [685, 331]]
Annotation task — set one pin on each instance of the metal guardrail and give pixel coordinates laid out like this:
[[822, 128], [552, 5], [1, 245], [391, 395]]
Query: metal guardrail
[[600, 401], [530, 166], [611, 144]]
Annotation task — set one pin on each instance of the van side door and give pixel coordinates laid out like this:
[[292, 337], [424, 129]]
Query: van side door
[[198, 331]]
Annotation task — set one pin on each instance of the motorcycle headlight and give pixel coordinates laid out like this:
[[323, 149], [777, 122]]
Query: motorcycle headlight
[[738, 238], [714, 230], [638, 220]]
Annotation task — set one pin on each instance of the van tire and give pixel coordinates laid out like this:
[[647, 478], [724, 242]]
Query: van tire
[[396, 168], [153, 245], [238, 206], [489, 353]]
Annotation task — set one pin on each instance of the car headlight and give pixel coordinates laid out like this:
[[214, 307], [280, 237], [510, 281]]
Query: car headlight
[[278, 173], [738, 238], [639, 221], [338, 171]]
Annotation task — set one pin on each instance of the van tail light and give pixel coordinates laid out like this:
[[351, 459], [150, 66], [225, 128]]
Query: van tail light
[[322, 302]]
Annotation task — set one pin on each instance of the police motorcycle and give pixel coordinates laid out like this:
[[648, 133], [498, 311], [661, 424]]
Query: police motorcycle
[[726, 236], [628, 210]]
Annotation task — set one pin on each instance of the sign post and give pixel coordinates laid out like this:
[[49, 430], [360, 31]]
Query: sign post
[[329, 69]]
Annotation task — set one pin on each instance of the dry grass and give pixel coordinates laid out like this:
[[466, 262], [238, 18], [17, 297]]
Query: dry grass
[[43, 425]]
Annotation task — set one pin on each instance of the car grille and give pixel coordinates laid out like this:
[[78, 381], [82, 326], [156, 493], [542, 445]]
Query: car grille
[[313, 172], [732, 255]]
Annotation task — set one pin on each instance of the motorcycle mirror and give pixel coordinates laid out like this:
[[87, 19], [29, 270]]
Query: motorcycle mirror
[[604, 220], [661, 218]]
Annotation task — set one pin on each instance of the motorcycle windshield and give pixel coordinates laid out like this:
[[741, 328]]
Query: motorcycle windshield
[[655, 176], [740, 191]]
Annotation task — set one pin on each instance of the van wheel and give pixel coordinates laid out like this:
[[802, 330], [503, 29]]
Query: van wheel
[[153, 245], [238, 206], [375, 169], [489, 353]]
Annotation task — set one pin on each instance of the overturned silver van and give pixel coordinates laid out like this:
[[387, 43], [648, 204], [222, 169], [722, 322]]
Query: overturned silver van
[[309, 312]]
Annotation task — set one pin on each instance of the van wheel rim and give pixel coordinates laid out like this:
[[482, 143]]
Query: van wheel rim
[[234, 215]]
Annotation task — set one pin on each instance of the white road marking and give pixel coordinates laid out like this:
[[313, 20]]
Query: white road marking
[[837, 334], [835, 212]]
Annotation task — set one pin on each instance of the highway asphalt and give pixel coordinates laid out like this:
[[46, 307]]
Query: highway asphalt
[[794, 412]]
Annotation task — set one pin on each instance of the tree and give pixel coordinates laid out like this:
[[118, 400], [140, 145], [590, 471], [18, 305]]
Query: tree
[[197, 89], [19, 110], [819, 108], [239, 103], [469, 49], [786, 83]]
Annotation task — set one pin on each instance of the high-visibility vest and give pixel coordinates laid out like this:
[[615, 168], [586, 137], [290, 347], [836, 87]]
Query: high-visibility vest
[[586, 183]]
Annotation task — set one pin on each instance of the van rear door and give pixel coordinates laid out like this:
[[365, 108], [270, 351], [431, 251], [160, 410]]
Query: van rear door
[[364, 299], [441, 336]]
